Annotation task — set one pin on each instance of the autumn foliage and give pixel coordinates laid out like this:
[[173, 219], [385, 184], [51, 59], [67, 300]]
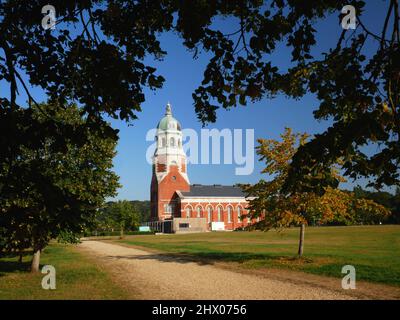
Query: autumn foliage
[[282, 209]]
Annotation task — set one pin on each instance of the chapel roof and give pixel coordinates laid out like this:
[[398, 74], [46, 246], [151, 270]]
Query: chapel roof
[[168, 122]]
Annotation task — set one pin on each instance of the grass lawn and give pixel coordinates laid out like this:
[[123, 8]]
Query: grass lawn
[[373, 250], [76, 277]]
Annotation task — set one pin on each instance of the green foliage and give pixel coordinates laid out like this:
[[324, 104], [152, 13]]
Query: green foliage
[[281, 208], [390, 201], [106, 221], [120, 215], [143, 208], [66, 236], [52, 186], [105, 68]]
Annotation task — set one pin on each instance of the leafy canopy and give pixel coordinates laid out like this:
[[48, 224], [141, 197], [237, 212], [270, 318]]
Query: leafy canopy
[[118, 215], [103, 65], [53, 189], [281, 209]]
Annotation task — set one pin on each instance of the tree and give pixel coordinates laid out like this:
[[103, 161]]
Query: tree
[[281, 209], [143, 208], [356, 82], [55, 184], [103, 67], [121, 215], [55, 162], [389, 200]]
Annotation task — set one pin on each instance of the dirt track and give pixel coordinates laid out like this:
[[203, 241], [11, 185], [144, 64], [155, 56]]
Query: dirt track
[[159, 276]]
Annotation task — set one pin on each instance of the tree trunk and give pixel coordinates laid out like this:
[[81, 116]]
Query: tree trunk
[[35, 260], [20, 257], [121, 233], [301, 241]]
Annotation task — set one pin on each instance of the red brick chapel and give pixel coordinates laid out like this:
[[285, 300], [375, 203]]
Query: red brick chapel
[[173, 197]]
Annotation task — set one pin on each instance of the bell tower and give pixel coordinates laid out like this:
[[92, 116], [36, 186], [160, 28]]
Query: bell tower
[[169, 168]]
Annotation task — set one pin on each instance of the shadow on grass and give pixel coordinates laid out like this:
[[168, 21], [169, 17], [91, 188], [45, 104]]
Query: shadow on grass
[[207, 258], [9, 263]]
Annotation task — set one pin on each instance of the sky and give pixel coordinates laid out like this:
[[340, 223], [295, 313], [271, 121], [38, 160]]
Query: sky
[[267, 117], [183, 75]]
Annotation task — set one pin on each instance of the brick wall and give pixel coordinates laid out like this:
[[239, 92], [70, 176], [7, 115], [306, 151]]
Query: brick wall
[[235, 223], [165, 191]]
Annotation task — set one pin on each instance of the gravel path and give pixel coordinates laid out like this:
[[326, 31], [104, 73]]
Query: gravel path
[[159, 276]]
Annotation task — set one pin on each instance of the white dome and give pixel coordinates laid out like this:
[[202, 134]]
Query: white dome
[[169, 122]]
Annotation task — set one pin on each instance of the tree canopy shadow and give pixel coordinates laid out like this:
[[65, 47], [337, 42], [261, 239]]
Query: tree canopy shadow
[[205, 258], [9, 266]]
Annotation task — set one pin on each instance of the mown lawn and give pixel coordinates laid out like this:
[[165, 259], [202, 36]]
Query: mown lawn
[[76, 277], [373, 250]]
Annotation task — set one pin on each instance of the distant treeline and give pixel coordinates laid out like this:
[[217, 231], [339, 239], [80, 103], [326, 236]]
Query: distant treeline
[[128, 215], [119, 217], [362, 216], [390, 201], [143, 208]]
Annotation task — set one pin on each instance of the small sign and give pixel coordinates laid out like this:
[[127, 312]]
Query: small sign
[[144, 229], [217, 226]]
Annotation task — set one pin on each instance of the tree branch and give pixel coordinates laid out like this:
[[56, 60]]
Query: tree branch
[[92, 23], [11, 70], [339, 43], [396, 20], [31, 99], [370, 33], [242, 31], [85, 29], [386, 23]]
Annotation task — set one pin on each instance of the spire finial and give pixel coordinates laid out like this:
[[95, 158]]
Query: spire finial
[[168, 110]]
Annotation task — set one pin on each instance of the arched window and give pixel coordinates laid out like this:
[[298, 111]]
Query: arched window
[[179, 143], [168, 208], [199, 212], [163, 142], [229, 214], [209, 214], [219, 211], [188, 212], [239, 213], [172, 142]]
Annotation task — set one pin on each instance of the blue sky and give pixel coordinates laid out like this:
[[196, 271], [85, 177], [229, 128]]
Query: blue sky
[[268, 118]]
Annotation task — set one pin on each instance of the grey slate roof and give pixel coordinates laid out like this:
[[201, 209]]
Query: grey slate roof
[[199, 190]]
